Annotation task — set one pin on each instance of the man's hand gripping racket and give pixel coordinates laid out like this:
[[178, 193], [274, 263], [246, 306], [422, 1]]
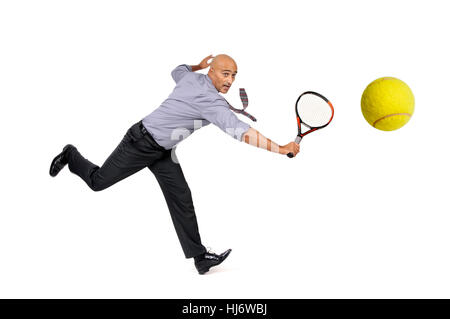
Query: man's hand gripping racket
[[314, 112]]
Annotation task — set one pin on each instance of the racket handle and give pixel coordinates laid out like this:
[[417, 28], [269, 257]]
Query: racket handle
[[297, 140]]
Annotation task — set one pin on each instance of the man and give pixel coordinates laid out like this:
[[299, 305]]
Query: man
[[148, 143]]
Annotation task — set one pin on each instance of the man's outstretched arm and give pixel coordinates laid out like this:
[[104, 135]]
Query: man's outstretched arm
[[253, 137]]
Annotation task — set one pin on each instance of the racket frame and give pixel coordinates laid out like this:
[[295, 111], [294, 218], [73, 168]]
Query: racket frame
[[300, 135]]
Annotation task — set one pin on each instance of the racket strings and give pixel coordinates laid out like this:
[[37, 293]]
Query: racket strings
[[313, 110]]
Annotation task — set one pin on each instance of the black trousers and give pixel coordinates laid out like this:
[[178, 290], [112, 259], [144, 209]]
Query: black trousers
[[136, 151]]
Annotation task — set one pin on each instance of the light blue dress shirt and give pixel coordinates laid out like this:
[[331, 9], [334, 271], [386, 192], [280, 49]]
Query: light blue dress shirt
[[194, 103]]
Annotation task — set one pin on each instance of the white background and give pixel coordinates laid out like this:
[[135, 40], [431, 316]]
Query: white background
[[360, 213]]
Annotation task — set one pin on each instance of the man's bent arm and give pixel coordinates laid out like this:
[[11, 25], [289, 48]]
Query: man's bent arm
[[202, 65], [195, 68], [253, 137]]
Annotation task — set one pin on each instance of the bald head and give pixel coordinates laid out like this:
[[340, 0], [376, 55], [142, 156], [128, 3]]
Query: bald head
[[223, 60], [222, 71]]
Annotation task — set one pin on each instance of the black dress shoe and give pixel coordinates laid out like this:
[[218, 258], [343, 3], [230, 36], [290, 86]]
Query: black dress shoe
[[60, 160], [204, 262]]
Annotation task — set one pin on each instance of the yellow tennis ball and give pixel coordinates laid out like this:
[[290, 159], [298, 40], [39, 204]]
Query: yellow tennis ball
[[387, 103]]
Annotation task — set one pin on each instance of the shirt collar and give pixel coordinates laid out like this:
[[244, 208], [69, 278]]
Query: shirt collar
[[210, 84]]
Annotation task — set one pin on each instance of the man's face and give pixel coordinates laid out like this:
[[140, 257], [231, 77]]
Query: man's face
[[223, 75]]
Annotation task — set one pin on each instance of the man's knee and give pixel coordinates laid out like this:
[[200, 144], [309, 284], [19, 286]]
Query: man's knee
[[96, 184], [185, 196], [97, 188]]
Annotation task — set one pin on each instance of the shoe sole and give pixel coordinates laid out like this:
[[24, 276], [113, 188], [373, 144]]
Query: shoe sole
[[53, 163]]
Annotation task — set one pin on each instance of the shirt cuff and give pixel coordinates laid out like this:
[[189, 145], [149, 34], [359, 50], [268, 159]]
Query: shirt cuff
[[240, 130]]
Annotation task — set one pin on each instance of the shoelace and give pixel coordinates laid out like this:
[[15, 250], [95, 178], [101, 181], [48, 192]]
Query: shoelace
[[212, 257], [244, 99], [209, 251]]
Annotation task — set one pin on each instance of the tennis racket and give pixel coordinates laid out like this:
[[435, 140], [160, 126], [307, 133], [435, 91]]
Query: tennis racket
[[314, 112]]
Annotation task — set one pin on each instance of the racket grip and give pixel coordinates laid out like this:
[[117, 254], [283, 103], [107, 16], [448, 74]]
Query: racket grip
[[297, 140]]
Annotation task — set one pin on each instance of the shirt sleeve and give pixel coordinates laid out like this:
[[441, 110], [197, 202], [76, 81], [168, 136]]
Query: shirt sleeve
[[180, 71], [220, 115]]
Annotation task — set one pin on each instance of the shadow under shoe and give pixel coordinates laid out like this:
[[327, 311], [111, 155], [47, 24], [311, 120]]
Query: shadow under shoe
[[204, 262], [60, 160]]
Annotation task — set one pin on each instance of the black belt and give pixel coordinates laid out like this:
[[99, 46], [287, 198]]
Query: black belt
[[152, 140]]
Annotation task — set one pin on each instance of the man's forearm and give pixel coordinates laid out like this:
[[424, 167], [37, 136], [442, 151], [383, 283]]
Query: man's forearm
[[253, 137], [202, 65], [195, 68]]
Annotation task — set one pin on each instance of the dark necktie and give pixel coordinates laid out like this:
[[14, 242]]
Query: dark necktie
[[244, 99]]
